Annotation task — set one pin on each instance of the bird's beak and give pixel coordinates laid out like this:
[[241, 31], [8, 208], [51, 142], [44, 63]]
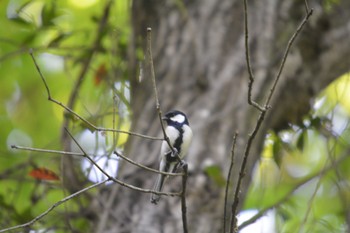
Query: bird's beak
[[164, 118]]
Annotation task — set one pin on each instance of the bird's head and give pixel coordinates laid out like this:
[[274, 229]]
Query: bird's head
[[175, 117]]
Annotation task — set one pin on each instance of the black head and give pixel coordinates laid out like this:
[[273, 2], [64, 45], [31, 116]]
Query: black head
[[175, 117]]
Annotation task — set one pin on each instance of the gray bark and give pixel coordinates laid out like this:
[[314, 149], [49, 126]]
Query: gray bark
[[198, 49]]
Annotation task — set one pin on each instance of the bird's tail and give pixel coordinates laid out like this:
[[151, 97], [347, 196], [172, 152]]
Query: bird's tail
[[158, 188]]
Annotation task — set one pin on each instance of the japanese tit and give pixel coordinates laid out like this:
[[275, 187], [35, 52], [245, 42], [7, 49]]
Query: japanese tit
[[180, 137]]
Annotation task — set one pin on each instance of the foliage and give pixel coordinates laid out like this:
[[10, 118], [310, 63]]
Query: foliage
[[62, 35], [303, 172]]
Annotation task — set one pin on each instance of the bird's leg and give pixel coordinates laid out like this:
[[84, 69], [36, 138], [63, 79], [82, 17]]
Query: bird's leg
[[182, 164], [175, 154]]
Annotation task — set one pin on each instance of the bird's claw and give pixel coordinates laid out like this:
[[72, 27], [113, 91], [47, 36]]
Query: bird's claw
[[174, 153], [182, 163]]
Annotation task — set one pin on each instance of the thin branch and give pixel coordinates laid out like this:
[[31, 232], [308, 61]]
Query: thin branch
[[114, 135], [87, 62], [286, 52], [147, 168], [109, 177], [53, 207], [81, 154], [150, 57], [309, 206], [307, 9], [114, 179], [229, 177], [183, 197], [45, 150], [322, 173], [153, 77], [108, 208], [290, 192], [234, 207], [90, 125], [56, 49], [247, 56], [85, 155]]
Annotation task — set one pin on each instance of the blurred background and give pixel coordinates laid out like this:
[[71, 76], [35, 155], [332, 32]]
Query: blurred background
[[92, 56]]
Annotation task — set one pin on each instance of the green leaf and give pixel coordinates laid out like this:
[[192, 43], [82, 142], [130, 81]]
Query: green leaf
[[301, 140], [48, 13], [20, 21], [58, 39], [214, 172]]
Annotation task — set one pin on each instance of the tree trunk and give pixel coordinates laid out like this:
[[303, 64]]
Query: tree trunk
[[200, 67]]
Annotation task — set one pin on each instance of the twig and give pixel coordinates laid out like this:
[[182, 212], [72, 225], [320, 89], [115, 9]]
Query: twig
[[286, 52], [90, 125], [147, 168], [247, 56], [153, 77], [289, 193], [312, 198], [53, 207], [114, 179], [111, 178], [24, 50], [45, 150], [309, 206], [235, 203], [107, 210], [260, 119], [229, 177], [82, 154], [114, 135], [85, 155], [183, 197], [306, 7], [96, 44]]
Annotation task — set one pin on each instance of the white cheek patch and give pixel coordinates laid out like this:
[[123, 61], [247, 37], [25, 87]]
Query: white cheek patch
[[178, 118]]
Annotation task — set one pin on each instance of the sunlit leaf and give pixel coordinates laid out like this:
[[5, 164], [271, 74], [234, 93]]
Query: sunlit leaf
[[19, 20], [48, 13], [58, 39], [338, 91], [301, 140]]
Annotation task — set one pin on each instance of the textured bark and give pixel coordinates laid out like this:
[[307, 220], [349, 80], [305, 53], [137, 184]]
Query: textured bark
[[198, 49]]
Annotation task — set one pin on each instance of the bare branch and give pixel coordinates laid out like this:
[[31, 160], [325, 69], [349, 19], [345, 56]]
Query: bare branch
[[81, 154], [291, 191], [183, 197], [114, 179], [68, 171], [45, 150], [153, 77], [284, 58], [307, 7], [108, 176], [247, 56], [85, 155], [147, 168], [95, 46], [90, 125], [229, 176], [53, 207], [234, 207]]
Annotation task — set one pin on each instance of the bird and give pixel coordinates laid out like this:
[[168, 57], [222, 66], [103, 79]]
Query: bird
[[180, 137]]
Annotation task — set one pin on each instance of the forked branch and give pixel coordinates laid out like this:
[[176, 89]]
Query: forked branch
[[263, 111]]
